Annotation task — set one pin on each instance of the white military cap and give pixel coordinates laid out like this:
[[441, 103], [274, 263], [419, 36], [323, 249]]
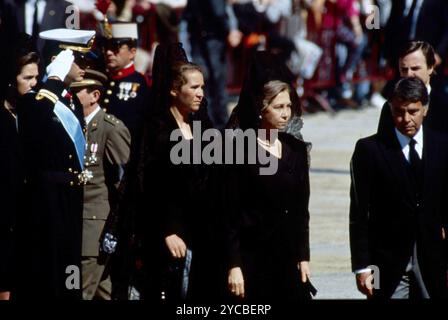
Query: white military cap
[[77, 40], [124, 30]]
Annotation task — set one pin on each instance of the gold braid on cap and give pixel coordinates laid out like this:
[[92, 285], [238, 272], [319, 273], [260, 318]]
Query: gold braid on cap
[[79, 48]]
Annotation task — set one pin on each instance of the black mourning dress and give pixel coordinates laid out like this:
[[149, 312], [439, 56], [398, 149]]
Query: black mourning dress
[[267, 224]]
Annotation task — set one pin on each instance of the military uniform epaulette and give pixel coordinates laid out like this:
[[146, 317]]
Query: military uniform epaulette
[[111, 119], [44, 93]]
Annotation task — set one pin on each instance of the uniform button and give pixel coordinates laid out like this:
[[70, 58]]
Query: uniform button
[[24, 181], [286, 211], [70, 156], [94, 217], [112, 83], [109, 92], [106, 100], [71, 183], [104, 109], [70, 170]]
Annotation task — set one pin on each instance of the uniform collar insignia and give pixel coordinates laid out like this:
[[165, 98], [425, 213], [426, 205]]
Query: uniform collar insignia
[[123, 73]]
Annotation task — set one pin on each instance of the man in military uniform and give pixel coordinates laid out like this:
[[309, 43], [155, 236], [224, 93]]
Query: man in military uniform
[[127, 98], [127, 93], [50, 131], [107, 152]]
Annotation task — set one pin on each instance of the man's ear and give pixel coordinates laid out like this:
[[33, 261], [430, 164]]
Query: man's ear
[[425, 110], [96, 95], [133, 52]]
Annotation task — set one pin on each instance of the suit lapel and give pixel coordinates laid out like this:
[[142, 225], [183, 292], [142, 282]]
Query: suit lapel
[[431, 160], [394, 157]]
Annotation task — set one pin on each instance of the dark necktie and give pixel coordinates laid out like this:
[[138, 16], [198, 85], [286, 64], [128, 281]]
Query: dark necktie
[[414, 160], [409, 20], [35, 21]]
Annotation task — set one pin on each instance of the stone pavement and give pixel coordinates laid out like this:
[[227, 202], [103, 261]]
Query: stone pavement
[[333, 138]]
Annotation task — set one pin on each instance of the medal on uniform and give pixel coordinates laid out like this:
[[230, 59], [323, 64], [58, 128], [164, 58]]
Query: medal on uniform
[[125, 88], [134, 89], [93, 150]]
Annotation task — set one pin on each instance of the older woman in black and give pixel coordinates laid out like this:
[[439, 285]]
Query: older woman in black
[[175, 201], [23, 79], [268, 219]]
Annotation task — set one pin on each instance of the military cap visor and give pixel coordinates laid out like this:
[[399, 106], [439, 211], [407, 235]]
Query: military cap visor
[[76, 40]]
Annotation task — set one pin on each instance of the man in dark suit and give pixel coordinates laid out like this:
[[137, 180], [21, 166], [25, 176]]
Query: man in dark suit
[[398, 214], [425, 20], [418, 59], [34, 16], [107, 152]]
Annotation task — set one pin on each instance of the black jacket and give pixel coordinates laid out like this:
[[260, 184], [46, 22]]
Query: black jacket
[[386, 216], [11, 188], [50, 228]]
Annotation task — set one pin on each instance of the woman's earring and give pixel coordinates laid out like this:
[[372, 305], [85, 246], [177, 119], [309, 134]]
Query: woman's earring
[[260, 117]]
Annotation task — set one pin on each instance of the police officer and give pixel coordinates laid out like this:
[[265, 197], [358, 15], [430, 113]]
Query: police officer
[[107, 152], [50, 131], [127, 91]]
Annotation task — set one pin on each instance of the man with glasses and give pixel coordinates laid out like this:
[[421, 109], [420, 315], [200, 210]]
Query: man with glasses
[[127, 92], [126, 98]]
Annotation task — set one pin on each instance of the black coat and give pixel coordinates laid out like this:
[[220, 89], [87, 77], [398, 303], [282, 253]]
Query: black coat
[[387, 218], [11, 188], [50, 228], [175, 200], [268, 224]]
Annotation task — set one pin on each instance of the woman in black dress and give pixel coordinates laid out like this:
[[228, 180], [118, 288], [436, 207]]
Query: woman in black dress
[[267, 230], [23, 79], [175, 219]]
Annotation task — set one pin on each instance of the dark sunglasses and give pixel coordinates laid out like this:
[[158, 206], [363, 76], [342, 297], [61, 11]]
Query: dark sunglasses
[[114, 45], [84, 60]]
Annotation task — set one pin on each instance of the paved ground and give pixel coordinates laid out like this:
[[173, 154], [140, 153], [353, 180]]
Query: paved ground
[[333, 138]]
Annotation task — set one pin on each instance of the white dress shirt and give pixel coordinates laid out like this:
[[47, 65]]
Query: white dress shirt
[[404, 143], [29, 14], [90, 116], [406, 12]]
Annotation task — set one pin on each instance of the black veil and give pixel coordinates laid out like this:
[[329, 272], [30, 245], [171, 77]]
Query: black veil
[[264, 67]]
